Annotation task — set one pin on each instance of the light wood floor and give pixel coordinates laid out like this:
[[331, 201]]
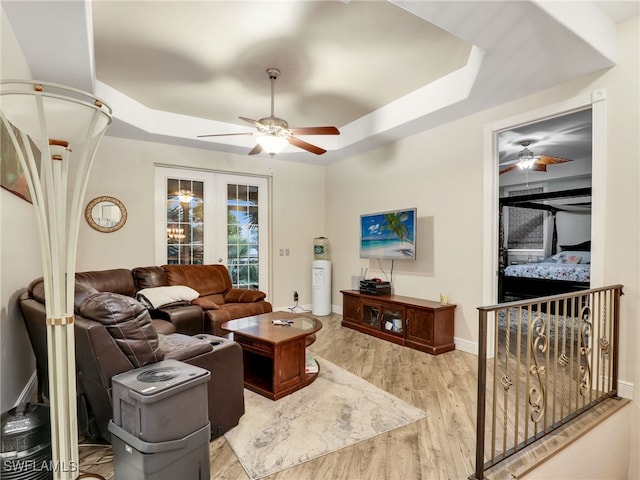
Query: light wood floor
[[441, 446]]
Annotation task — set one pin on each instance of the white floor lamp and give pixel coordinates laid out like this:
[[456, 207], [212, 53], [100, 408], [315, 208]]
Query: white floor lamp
[[45, 121]]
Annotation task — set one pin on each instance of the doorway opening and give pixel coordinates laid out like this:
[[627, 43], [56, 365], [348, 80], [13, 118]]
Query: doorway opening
[[596, 102], [544, 207]]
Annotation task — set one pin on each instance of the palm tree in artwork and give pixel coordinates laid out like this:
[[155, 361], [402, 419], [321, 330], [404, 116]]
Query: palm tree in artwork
[[394, 223]]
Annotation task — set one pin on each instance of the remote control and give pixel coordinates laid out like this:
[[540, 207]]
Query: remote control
[[284, 323]]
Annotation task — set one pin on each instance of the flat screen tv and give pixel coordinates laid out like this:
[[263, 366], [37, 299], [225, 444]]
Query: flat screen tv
[[389, 235]]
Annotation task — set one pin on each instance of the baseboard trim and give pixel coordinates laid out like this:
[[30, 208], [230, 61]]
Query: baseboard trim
[[466, 346], [29, 391]]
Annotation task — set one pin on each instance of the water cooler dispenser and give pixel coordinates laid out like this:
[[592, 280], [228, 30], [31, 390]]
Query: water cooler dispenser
[[321, 278], [160, 428]]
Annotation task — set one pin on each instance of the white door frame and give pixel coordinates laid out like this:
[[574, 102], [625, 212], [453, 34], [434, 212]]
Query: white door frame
[[595, 100], [221, 182], [212, 180]]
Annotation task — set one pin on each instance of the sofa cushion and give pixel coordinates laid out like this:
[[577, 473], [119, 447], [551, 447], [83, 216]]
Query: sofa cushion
[[232, 311], [206, 279], [186, 319], [128, 323], [239, 295], [209, 302], [157, 297], [118, 280], [163, 327], [81, 294], [149, 277], [182, 347], [36, 289]]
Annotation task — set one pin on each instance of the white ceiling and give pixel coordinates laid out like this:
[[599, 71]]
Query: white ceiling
[[377, 70]]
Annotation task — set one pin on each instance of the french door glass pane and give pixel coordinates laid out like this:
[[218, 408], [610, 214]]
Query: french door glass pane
[[242, 235], [185, 225]]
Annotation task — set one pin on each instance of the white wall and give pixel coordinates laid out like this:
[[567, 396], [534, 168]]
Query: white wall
[[610, 457], [440, 176], [19, 255], [19, 264], [573, 228]]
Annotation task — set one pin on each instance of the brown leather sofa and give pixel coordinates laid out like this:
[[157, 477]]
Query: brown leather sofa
[[115, 333], [218, 302]]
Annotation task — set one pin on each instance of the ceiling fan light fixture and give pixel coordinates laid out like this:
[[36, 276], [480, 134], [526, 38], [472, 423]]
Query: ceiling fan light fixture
[[526, 159], [274, 133], [272, 143]]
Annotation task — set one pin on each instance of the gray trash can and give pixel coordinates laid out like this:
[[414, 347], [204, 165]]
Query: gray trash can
[[186, 458], [163, 401], [160, 428]]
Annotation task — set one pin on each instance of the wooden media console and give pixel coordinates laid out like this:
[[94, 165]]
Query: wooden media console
[[414, 322]]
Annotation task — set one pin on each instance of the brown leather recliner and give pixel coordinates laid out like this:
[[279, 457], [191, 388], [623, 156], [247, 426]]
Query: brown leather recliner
[[114, 333]]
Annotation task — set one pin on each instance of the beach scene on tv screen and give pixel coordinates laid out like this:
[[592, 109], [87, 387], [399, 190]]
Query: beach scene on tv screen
[[388, 235]]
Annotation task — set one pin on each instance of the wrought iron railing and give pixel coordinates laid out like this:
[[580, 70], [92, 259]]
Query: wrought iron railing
[[552, 359]]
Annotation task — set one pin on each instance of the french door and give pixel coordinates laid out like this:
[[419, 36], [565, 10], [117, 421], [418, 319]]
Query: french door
[[207, 217]]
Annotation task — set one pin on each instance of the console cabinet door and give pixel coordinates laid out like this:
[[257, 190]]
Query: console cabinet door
[[371, 314], [430, 330], [419, 327], [351, 311], [392, 319], [386, 317]]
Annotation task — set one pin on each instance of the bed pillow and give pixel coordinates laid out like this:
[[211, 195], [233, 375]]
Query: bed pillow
[[570, 259], [156, 297], [562, 257]]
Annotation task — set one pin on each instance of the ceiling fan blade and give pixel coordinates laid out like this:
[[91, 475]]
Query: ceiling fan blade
[[255, 150], [315, 131], [538, 167], [306, 146], [255, 123], [225, 134], [548, 160], [508, 169], [510, 162]]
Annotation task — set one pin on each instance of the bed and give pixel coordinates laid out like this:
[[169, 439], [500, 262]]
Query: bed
[[567, 271], [551, 276]]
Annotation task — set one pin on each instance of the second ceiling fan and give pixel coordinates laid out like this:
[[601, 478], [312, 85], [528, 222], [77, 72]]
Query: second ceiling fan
[[528, 161], [274, 133]]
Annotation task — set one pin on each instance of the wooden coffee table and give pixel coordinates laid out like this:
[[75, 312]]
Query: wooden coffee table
[[274, 355]]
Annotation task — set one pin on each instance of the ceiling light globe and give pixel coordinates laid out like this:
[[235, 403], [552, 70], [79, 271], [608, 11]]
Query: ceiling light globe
[[526, 159], [272, 144]]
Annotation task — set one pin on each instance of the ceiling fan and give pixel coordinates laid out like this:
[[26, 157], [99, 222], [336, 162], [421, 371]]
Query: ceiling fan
[[274, 133], [528, 161]]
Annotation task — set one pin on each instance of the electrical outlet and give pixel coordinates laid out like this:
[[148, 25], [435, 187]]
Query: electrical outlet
[[295, 296]]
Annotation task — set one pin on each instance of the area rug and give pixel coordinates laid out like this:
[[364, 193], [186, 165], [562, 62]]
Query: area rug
[[337, 410]]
